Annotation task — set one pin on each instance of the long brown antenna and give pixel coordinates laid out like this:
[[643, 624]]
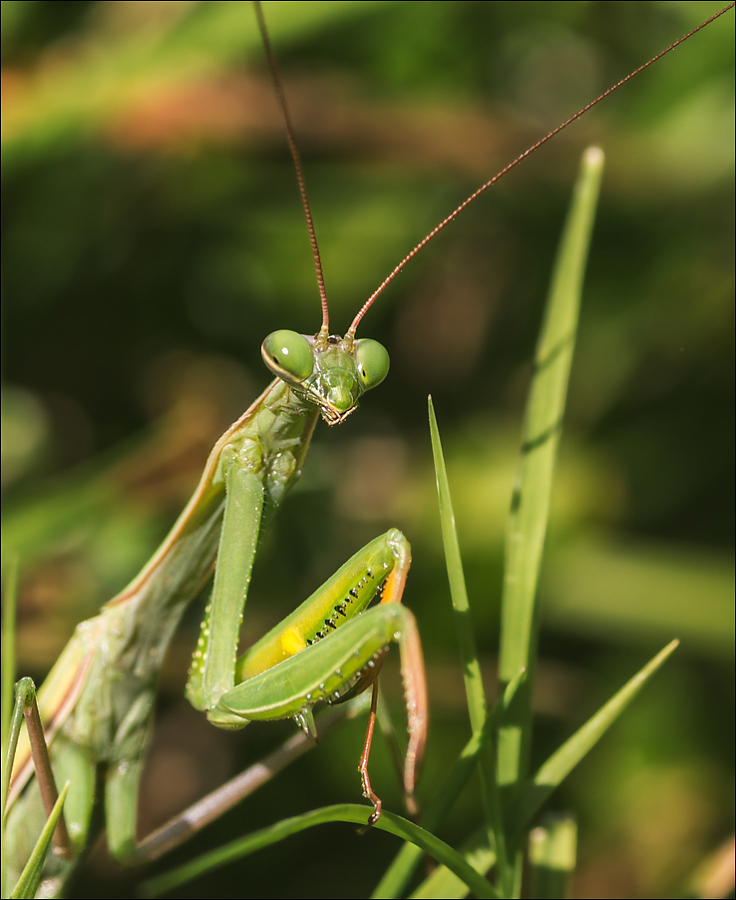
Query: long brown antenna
[[297, 165], [453, 215]]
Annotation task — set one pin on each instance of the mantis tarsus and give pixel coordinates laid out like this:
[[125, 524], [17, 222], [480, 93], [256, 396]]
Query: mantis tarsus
[[199, 575]]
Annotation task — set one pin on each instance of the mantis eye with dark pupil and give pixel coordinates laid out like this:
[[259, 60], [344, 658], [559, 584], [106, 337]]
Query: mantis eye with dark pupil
[[372, 361], [288, 355]]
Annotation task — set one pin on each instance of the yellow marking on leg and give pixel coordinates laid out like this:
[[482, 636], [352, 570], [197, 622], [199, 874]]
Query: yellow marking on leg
[[292, 642]]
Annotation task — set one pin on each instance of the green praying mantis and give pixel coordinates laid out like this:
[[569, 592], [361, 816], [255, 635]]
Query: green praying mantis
[[97, 702], [98, 699]]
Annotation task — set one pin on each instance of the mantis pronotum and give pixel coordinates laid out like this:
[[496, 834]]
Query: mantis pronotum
[[328, 271]]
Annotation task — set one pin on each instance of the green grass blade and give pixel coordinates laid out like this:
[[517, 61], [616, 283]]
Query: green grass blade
[[476, 698], [10, 604], [15, 722], [444, 883], [552, 850], [463, 624], [8, 680], [401, 869], [346, 812], [31, 876], [531, 497], [533, 794]]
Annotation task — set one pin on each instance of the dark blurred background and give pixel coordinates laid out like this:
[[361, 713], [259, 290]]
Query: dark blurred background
[[152, 236]]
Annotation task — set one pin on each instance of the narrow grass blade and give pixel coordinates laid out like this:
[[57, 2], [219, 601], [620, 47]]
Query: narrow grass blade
[[10, 603], [347, 812], [531, 496], [31, 876], [533, 794], [15, 725], [444, 883], [458, 592], [552, 850], [7, 744], [401, 869], [476, 698], [192, 820]]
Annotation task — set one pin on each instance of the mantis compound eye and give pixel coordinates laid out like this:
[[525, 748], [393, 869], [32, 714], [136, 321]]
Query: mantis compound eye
[[288, 355], [372, 361]]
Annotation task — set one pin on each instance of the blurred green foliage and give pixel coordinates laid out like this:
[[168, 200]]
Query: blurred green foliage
[[152, 236]]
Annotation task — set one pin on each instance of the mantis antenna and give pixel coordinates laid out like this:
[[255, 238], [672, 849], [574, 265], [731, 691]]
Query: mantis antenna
[[325, 329], [456, 212], [512, 165]]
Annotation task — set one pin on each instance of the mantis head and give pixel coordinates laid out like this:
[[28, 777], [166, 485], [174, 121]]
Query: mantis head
[[327, 370]]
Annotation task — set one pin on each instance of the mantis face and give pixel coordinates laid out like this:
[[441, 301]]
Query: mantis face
[[327, 370]]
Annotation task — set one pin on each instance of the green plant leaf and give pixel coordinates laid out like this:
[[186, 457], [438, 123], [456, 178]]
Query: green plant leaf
[[399, 872], [565, 758], [32, 873], [531, 497], [474, 692], [343, 812], [552, 848]]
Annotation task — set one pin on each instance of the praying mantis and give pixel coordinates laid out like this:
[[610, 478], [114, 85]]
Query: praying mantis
[[208, 701]]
